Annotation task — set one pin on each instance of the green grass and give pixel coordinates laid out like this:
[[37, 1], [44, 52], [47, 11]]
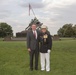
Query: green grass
[[1, 39], [68, 38], [14, 59]]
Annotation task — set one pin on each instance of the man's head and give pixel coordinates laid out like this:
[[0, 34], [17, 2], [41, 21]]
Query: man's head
[[43, 28], [33, 27]]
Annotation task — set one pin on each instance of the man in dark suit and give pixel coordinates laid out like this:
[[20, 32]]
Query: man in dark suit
[[33, 46]]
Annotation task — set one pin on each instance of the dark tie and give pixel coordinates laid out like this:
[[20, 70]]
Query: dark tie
[[34, 34]]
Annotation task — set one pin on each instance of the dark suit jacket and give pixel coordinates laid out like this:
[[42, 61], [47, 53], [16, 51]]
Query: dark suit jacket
[[32, 42]]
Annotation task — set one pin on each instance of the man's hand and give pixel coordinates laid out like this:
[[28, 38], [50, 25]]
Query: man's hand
[[29, 49]]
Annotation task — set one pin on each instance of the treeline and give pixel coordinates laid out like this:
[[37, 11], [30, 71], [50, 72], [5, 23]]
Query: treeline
[[67, 30]]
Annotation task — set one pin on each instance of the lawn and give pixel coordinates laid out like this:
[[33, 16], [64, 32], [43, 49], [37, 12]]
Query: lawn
[[14, 58]]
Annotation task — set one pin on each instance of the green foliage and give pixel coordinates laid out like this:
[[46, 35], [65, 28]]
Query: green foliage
[[68, 30], [74, 29], [14, 59], [5, 30]]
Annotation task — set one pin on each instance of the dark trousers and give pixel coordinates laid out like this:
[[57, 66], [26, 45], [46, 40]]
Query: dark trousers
[[34, 55]]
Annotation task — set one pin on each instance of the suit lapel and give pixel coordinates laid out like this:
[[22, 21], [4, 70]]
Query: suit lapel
[[37, 34]]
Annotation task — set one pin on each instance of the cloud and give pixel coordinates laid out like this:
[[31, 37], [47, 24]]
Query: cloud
[[4, 11], [59, 9], [4, 2], [4, 14], [58, 3]]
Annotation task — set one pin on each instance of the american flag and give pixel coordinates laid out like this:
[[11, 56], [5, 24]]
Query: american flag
[[29, 9]]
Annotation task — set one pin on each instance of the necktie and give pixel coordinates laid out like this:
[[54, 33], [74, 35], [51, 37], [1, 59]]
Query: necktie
[[35, 34]]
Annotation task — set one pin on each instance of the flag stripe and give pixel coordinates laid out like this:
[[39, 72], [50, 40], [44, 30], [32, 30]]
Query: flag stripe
[[29, 9]]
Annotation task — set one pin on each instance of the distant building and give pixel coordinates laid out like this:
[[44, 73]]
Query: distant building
[[21, 34], [56, 37]]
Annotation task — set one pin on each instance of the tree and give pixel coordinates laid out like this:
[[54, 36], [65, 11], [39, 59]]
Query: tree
[[5, 30], [61, 32], [74, 29], [66, 31]]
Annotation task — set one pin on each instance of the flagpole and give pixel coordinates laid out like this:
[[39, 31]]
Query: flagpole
[[33, 12], [31, 9]]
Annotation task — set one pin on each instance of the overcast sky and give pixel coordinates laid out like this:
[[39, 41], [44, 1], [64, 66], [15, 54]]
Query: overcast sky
[[53, 13]]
